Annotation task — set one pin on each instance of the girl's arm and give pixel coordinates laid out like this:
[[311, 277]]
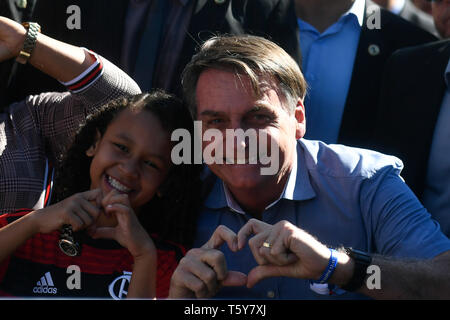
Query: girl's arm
[[57, 59], [92, 81], [77, 210], [15, 234], [143, 279]]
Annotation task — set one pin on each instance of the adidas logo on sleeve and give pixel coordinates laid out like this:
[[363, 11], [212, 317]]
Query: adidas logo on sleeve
[[45, 285]]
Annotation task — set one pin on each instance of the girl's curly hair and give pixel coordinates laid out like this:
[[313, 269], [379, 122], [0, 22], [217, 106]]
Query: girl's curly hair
[[173, 215]]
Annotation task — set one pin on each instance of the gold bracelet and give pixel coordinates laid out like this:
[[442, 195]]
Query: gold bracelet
[[30, 41]]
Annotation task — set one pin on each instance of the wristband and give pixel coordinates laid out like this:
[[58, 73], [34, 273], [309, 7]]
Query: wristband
[[332, 263]]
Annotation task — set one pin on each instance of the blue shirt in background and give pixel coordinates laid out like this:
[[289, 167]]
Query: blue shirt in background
[[436, 196], [343, 196], [327, 63]]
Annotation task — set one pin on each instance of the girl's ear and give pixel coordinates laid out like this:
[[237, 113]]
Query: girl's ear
[[93, 148]]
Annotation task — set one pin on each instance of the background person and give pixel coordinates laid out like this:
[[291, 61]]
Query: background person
[[414, 126], [152, 40], [414, 116], [440, 9], [345, 45], [409, 11]]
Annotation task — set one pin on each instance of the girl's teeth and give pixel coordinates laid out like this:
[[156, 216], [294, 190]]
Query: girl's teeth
[[117, 185]]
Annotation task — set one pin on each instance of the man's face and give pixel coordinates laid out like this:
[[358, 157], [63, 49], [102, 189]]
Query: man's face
[[441, 16], [226, 101]]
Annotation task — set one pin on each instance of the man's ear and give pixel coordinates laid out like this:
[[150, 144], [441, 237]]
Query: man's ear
[[299, 114], [93, 148]]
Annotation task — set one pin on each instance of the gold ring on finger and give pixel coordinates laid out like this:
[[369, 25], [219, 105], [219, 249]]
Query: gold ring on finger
[[267, 244]]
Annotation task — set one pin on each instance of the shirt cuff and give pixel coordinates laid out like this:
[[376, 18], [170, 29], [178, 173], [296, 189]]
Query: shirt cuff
[[87, 77]]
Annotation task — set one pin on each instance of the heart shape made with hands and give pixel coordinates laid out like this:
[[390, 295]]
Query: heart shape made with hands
[[272, 261]]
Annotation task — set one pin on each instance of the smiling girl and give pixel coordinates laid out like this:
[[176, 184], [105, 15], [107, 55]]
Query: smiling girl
[[118, 189]]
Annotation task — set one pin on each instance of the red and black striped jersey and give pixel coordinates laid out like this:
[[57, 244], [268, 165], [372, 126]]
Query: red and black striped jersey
[[40, 269]]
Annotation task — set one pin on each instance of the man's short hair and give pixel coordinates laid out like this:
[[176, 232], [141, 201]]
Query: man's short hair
[[246, 55]]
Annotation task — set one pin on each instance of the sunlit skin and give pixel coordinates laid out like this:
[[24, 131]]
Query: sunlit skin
[[225, 101], [132, 158]]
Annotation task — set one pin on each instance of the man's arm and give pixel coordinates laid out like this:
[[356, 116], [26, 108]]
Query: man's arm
[[415, 279], [294, 253]]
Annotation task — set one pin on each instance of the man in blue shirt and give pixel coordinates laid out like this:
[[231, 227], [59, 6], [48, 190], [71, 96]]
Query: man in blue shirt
[[341, 196], [345, 45]]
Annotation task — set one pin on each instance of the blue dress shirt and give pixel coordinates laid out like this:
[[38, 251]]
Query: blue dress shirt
[[343, 196], [436, 197], [327, 64]]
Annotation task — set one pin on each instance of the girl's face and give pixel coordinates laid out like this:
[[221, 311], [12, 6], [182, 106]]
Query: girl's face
[[132, 157]]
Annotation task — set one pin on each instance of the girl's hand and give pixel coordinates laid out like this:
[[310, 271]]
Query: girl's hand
[[128, 231], [80, 211], [12, 36]]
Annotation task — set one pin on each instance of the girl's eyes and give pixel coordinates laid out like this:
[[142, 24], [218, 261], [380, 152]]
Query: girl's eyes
[[125, 149], [151, 164], [121, 147]]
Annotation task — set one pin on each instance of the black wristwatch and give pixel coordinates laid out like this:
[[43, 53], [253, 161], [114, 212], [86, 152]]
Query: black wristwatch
[[68, 243], [362, 260]]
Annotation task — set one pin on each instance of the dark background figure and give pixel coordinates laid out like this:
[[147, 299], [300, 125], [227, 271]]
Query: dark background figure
[[423, 5], [115, 29], [413, 117], [353, 122], [19, 11], [440, 10], [409, 11], [413, 123]]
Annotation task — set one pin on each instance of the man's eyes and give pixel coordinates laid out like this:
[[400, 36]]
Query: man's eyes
[[261, 117], [215, 121], [253, 118]]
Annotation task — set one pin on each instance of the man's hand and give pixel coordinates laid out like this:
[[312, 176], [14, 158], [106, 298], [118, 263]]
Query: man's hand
[[203, 271], [283, 250]]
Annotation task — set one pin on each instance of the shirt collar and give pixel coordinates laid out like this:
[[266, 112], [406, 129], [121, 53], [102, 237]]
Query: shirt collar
[[357, 9], [297, 188]]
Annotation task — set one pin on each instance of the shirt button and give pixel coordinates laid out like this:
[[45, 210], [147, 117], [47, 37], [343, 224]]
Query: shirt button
[[374, 50], [270, 294]]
